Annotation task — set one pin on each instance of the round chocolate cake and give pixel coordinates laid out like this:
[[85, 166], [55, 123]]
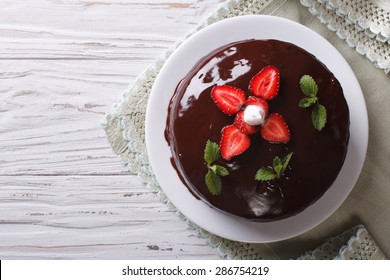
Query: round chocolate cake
[[309, 157]]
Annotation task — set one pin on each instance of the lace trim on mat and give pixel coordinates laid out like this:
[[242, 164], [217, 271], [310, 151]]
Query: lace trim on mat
[[353, 244], [362, 24]]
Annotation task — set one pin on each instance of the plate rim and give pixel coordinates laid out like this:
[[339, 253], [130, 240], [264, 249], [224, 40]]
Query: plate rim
[[266, 229]]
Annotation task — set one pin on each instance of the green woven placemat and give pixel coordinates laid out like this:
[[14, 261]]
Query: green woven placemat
[[125, 131]]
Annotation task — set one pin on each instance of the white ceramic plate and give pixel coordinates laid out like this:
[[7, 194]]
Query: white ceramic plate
[[178, 65]]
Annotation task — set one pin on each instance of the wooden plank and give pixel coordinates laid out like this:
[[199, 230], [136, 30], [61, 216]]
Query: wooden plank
[[95, 30], [109, 217], [51, 114]]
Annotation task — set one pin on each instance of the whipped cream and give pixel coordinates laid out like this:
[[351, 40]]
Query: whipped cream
[[254, 115]]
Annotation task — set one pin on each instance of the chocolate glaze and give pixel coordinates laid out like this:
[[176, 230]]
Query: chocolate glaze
[[193, 118]]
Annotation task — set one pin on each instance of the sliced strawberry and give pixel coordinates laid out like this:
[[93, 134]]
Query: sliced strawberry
[[233, 142], [253, 100], [275, 129], [228, 99], [265, 84], [242, 125]]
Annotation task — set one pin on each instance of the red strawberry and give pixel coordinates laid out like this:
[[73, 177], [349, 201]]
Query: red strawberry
[[253, 100], [242, 125], [275, 129], [228, 99], [265, 84], [233, 142]]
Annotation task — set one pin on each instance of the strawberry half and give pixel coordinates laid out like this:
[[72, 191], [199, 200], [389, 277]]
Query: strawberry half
[[253, 100], [228, 99], [265, 84], [242, 125], [275, 129], [233, 142]]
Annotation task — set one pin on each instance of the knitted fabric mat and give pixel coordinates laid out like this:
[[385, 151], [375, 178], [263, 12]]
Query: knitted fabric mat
[[125, 131], [364, 25]]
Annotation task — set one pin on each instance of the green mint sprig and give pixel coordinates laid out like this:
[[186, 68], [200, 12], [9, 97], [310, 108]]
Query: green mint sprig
[[310, 89], [275, 172], [214, 172]]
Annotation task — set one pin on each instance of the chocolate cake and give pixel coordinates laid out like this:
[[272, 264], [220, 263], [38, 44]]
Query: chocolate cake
[[316, 155]]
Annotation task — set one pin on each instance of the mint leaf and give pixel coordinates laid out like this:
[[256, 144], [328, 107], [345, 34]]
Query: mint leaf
[[285, 161], [265, 174], [213, 183], [318, 116], [212, 178], [308, 86], [220, 170], [270, 173], [211, 152], [277, 165], [307, 102]]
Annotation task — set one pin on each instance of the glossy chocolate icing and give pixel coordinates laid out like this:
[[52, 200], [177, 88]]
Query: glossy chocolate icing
[[318, 156]]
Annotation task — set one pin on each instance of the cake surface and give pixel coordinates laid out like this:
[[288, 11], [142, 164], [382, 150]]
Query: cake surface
[[194, 118]]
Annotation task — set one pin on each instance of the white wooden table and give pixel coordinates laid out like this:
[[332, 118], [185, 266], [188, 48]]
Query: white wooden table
[[63, 193]]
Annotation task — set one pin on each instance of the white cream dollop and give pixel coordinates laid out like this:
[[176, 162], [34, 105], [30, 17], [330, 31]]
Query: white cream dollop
[[254, 115]]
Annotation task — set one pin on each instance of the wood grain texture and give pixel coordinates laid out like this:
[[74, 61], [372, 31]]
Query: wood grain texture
[[61, 217], [63, 192]]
